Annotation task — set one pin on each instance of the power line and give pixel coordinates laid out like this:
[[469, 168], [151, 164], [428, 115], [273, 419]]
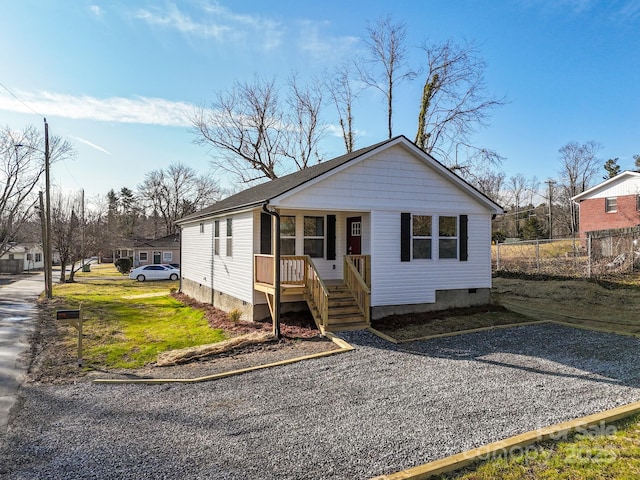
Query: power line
[[20, 100]]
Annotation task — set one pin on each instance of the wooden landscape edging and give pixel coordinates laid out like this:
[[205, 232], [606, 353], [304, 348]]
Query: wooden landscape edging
[[343, 347], [389, 338], [502, 447]]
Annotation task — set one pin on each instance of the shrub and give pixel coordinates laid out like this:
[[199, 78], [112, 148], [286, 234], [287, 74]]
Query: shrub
[[234, 315], [123, 265]]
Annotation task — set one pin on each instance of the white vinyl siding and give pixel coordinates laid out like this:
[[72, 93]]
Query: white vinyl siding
[[233, 275], [397, 283], [392, 180], [196, 260], [229, 275]]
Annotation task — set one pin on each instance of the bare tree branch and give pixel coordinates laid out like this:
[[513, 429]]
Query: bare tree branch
[[343, 94], [306, 126], [386, 65], [253, 135], [454, 99], [21, 170]]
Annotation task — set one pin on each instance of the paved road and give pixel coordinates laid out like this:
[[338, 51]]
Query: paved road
[[17, 318]]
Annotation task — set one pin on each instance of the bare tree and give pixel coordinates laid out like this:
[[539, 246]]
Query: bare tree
[[579, 166], [176, 192], [254, 135], [490, 182], [21, 170], [306, 127], [454, 99], [66, 232], [343, 94], [386, 64], [245, 126], [517, 186]]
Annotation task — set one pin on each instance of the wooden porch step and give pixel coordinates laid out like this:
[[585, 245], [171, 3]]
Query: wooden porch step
[[341, 327], [342, 310], [344, 313]]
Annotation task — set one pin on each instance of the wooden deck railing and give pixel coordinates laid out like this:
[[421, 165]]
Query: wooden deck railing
[[300, 271], [293, 269], [356, 282]]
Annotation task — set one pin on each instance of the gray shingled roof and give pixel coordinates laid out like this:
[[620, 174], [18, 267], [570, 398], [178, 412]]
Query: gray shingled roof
[[260, 194], [267, 191]]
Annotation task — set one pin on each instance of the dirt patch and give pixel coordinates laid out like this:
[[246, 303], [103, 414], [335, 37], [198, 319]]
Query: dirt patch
[[293, 325], [610, 304], [420, 325], [606, 303]]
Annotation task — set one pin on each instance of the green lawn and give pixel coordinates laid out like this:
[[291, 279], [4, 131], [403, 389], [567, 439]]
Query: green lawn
[[130, 322]]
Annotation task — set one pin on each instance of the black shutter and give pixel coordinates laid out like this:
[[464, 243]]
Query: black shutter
[[464, 238], [405, 237], [331, 237], [265, 233]]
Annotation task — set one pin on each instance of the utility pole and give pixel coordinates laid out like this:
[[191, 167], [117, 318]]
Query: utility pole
[[550, 184], [83, 225], [48, 256], [43, 223]]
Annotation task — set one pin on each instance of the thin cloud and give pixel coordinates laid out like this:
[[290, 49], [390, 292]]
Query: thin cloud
[[215, 23], [313, 39], [141, 110], [630, 11], [96, 10], [92, 145]]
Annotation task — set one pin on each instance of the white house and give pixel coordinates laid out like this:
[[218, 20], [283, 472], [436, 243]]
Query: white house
[[22, 257], [386, 229]]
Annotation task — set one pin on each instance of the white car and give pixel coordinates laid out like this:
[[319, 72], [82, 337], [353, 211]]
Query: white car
[[155, 272]]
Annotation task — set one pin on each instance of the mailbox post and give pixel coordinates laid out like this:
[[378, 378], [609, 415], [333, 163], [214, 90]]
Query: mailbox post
[[73, 318]]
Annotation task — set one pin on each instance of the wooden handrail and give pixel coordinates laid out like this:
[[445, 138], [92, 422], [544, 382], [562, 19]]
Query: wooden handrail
[[318, 292], [363, 265], [359, 288]]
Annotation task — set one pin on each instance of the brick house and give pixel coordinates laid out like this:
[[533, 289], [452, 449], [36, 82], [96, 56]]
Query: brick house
[[611, 205]]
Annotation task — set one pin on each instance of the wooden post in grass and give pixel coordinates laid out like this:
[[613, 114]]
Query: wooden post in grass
[[73, 318]]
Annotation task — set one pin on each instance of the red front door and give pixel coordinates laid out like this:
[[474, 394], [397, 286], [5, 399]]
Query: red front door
[[354, 236]]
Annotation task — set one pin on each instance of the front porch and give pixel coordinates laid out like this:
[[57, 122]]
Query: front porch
[[336, 304]]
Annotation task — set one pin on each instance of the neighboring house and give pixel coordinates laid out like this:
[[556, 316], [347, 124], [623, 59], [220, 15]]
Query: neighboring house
[[611, 205], [386, 229], [161, 250], [146, 252], [22, 257]]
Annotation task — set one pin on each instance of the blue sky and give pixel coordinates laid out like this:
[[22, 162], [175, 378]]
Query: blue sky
[[116, 77]]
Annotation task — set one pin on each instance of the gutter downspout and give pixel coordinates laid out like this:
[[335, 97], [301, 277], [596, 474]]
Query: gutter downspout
[[276, 269]]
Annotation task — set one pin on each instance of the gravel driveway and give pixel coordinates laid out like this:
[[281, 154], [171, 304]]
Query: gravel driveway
[[378, 409]]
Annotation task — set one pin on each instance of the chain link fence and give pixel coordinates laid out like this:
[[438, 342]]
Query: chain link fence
[[599, 254]]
